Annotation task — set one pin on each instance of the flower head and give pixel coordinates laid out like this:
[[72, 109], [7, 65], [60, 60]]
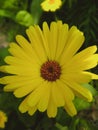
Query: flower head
[[48, 70], [51, 5], [3, 119]]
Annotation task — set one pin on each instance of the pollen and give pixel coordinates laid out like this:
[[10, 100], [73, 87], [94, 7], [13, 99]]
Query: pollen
[[51, 1], [50, 71]]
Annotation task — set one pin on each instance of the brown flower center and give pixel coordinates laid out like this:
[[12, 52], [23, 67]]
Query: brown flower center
[[50, 71]]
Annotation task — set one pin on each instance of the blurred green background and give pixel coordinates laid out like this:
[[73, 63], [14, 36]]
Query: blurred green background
[[15, 17]]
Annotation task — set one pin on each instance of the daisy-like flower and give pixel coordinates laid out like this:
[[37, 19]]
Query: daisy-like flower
[[47, 70], [51, 5], [3, 119]]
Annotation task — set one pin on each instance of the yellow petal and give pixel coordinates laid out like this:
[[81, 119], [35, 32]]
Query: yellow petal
[[32, 110], [85, 64], [70, 108], [22, 70], [17, 79], [66, 91], [57, 94], [79, 77], [51, 5], [46, 34], [62, 39], [75, 41], [94, 76], [23, 107], [80, 91], [3, 68], [44, 99], [24, 84], [27, 48], [17, 51], [52, 108], [20, 62], [3, 119], [37, 43], [53, 39], [84, 54], [24, 90], [42, 39], [35, 96]]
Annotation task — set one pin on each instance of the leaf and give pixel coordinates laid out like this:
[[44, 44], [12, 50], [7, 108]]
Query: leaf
[[36, 10], [8, 101], [83, 125], [3, 53], [74, 123], [81, 104], [13, 5], [6, 13], [91, 89], [24, 18], [79, 124], [60, 127]]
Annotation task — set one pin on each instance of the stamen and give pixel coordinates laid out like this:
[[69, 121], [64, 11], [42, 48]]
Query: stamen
[[50, 71], [51, 1]]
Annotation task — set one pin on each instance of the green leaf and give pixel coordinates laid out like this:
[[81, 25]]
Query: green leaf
[[24, 18], [3, 53], [79, 124], [8, 101], [36, 10], [63, 118], [74, 123], [91, 89], [9, 4], [83, 125], [6, 13], [81, 104], [60, 127], [14, 5]]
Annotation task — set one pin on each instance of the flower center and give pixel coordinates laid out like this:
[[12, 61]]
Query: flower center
[[50, 71], [51, 1]]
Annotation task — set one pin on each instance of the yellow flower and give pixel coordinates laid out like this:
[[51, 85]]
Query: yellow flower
[[3, 119], [51, 5], [48, 70]]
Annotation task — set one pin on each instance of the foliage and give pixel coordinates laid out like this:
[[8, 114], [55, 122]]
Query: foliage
[[15, 17]]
